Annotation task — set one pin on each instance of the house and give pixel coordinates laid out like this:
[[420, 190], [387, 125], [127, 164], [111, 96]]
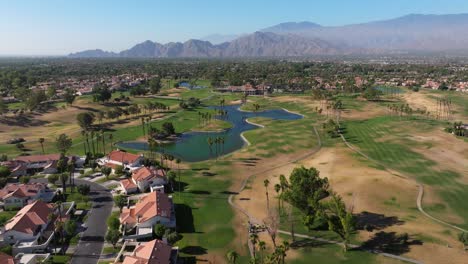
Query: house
[[154, 208], [6, 259], [32, 228], [46, 164], [15, 195], [116, 158], [29, 223], [152, 252], [144, 178]]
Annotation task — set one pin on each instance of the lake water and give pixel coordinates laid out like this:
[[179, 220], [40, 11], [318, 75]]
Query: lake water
[[193, 146]]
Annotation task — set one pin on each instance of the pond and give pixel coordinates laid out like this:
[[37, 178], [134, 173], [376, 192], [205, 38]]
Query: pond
[[193, 146]]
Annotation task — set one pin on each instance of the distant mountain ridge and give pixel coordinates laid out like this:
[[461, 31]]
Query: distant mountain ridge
[[410, 33], [258, 44]]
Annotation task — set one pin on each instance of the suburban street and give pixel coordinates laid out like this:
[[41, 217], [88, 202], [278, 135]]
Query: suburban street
[[91, 242]]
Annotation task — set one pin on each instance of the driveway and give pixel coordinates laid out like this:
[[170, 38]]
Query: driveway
[[89, 247]]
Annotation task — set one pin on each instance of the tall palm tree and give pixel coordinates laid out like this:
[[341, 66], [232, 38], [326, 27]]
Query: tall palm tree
[[103, 142], [41, 141], [254, 240], [71, 169], [262, 247], [278, 189], [92, 142], [178, 169], [266, 182], [111, 137], [232, 256], [83, 133]]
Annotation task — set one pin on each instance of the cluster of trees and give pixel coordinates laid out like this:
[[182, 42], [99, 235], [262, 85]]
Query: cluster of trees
[[191, 103], [458, 129], [170, 235], [101, 93], [153, 86], [113, 230], [332, 128], [372, 94]]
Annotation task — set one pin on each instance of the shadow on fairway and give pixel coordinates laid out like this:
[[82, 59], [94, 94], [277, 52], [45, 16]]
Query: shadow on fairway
[[372, 221], [391, 242], [184, 218]]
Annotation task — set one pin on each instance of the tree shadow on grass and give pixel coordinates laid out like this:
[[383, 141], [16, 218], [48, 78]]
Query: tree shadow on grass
[[194, 250], [209, 174], [372, 221], [303, 243], [184, 218], [390, 242], [199, 192]]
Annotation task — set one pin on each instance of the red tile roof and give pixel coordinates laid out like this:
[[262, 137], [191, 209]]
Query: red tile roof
[[128, 184], [152, 205], [153, 252], [146, 173], [6, 259], [39, 158], [21, 190], [30, 217], [123, 157]]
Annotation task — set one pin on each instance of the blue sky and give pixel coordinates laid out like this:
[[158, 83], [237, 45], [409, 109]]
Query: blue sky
[[55, 27]]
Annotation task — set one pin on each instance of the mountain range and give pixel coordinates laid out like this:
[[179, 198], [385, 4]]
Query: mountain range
[[411, 33]]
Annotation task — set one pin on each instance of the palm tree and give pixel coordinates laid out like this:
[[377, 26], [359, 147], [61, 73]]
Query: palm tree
[[83, 133], [266, 182], [103, 142], [178, 170], [277, 189], [92, 142], [262, 247], [41, 141], [63, 180], [111, 137], [210, 143], [253, 240], [232, 256], [71, 169]]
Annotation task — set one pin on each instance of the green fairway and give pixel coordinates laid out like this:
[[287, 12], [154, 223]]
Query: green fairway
[[371, 137], [204, 217], [317, 252]]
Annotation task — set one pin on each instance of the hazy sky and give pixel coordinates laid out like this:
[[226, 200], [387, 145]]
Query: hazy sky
[[54, 27]]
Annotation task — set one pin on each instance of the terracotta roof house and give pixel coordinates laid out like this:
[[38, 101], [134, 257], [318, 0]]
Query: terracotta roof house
[[46, 164], [15, 195], [128, 186], [115, 158], [6, 259], [144, 178], [152, 252], [28, 223], [153, 208]]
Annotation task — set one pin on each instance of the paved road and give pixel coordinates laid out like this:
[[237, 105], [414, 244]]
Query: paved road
[[91, 242]]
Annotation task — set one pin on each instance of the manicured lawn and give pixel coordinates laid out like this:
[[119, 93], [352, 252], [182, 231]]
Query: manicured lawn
[[79, 199], [317, 252], [282, 136], [6, 215], [395, 152], [204, 217], [110, 250]]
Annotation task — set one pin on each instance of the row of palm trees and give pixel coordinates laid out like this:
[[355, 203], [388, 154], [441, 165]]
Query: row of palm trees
[[218, 143], [95, 141]]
